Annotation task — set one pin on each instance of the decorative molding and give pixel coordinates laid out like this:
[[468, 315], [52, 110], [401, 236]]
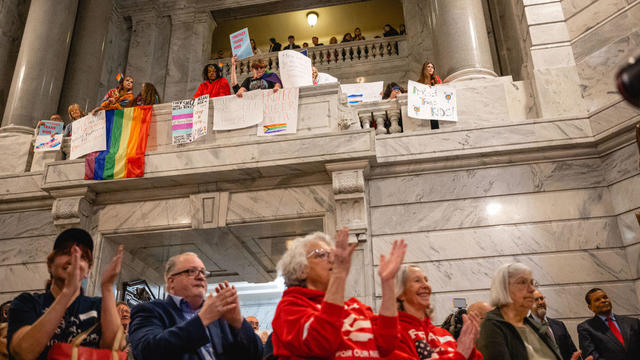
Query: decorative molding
[[349, 189], [209, 210], [72, 208]]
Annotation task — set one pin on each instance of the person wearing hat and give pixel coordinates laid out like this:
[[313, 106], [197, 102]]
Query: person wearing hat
[[39, 320]]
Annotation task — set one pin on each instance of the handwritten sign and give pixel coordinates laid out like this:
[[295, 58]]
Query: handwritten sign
[[48, 143], [432, 102], [362, 92], [240, 44], [89, 135], [48, 127], [200, 116], [295, 69], [280, 113], [182, 121], [232, 112]]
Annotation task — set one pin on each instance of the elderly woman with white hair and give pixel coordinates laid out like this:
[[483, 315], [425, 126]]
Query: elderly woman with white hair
[[313, 320], [507, 332], [419, 338]]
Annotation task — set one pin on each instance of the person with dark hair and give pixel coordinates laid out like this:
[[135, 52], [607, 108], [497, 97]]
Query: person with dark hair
[[402, 30], [429, 77], [214, 83], [261, 79], [148, 95], [607, 335], [315, 41], [314, 321], [555, 328], [333, 40], [305, 45], [4, 311], [292, 43], [254, 48], [275, 46], [37, 321], [357, 34], [389, 31], [347, 38], [419, 338], [392, 91]]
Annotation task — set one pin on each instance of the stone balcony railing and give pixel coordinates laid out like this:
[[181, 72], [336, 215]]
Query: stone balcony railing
[[331, 56]]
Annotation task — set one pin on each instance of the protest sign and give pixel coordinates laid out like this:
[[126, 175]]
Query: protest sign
[[362, 92], [48, 143], [48, 127], [240, 44], [89, 135], [280, 114], [295, 69], [432, 102], [181, 121], [231, 112], [200, 116]]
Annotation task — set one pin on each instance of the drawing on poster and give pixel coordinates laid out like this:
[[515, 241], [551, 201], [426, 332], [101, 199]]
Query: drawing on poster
[[432, 102]]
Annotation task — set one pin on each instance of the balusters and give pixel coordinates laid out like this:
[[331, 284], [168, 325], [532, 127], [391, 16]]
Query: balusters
[[313, 58], [366, 52], [394, 118], [379, 117], [365, 120], [374, 51], [344, 55], [351, 52], [381, 50]]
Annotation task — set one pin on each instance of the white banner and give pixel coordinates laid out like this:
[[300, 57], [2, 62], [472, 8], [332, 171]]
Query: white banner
[[231, 112], [48, 143], [181, 121], [362, 92], [295, 69], [432, 102], [200, 116], [89, 135], [280, 114]]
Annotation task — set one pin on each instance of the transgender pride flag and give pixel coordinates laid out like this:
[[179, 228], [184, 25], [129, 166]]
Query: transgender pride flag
[[181, 121]]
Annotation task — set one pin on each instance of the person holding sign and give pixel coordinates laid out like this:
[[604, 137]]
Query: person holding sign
[[214, 83], [260, 80], [429, 77], [74, 114], [122, 98]]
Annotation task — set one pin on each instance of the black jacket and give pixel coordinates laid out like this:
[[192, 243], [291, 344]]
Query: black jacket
[[499, 340], [597, 339], [562, 338]]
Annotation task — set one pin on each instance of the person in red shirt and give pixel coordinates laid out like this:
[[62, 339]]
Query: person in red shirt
[[313, 321], [214, 84], [419, 338]]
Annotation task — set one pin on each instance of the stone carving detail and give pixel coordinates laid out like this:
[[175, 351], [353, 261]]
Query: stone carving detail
[[72, 211], [350, 196], [209, 210], [348, 182]]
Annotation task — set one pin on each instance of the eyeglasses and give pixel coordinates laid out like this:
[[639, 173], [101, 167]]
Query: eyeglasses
[[524, 282], [319, 254], [192, 272]]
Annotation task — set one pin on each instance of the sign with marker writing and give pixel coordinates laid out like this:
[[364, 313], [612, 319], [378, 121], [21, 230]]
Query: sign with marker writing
[[240, 44], [231, 112], [182, 121], [89, 135], [362, 92], [48, 127], [295, 69], [436, 102], [280, 113]]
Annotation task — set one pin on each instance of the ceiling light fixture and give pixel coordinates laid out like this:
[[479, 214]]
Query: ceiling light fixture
[[312, 18]]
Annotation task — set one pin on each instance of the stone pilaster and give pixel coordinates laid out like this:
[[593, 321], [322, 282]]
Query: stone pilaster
[[460, 40], [190, 49], [13, 15], [72, 208], [82, 77], [39, 71]]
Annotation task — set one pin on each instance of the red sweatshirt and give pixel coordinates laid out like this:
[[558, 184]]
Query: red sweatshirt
[[422, 340], [219, 87], [306, 327]]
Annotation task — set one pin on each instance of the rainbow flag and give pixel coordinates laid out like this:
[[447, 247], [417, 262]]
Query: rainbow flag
[[274, 128], [119, 76], [127, 131]]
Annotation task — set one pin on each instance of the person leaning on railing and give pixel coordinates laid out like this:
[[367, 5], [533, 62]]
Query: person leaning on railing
[[261, 79], [214, 83], [119, 98]]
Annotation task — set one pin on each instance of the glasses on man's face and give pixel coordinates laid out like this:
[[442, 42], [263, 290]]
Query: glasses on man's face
[[319, 254], [192, 272], [524, 282]]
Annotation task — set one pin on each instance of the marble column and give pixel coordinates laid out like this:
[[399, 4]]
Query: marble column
[[460, 40], [39, 71], [87, 52], [13, 15], [419, 36], [190, 49]]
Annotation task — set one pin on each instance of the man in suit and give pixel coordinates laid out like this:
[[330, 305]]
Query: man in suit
[[190, 325], [555, 328], [608, 336]]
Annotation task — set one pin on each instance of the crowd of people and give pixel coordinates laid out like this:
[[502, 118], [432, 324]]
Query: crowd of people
[[312, 320]]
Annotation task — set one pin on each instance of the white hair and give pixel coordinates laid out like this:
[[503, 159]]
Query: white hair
[[171, 265], [499, 294], [293, 263]]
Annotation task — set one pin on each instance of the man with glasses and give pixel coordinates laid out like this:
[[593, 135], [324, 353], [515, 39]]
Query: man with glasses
[[555, 328], [189, 324]]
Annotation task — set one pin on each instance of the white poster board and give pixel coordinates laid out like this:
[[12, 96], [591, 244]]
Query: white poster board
[[280, 114], [232, 112], [181, 121], [295, 69], [89, 135], [48, 143], [432, 102], [362, 92], [200, 116]]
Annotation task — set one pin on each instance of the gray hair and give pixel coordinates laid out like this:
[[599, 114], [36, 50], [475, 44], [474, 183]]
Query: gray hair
[[294, 261], [401, 278], [499, 294], [171, 265]]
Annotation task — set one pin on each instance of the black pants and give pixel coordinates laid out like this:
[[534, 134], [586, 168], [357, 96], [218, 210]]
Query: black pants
[[434, 124]]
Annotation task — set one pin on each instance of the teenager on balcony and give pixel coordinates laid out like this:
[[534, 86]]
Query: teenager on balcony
[[260, 80], [214, 84]]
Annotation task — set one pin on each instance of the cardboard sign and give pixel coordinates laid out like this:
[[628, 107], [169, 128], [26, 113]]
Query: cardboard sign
[[280, 114], [240, 44], [231, 112], [48, 127], [89, 135], [362, 92], [432, 102]]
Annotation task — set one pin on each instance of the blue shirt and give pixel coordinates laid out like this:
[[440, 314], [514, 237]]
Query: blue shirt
[[613, 318], [206, 351]]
